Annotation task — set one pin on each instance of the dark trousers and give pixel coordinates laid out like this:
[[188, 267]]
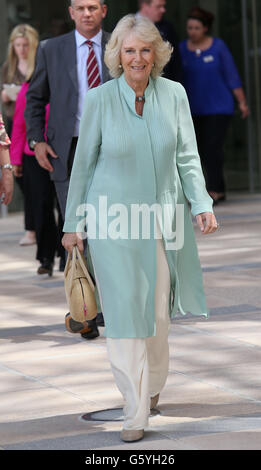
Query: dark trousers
[[28, 215], [28, 211], [62, 187], [40, 196], [211, 133]]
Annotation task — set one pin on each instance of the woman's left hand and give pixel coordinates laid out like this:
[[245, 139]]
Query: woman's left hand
[[207, 222], [6, 186]]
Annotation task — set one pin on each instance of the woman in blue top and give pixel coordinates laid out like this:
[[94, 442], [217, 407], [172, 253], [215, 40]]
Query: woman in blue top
[[212, 81]]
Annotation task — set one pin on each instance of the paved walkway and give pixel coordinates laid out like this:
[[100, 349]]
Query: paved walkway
[[50, 378]]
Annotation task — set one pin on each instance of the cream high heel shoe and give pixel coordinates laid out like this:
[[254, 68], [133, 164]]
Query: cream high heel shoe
[[132, 435], [154, 401]]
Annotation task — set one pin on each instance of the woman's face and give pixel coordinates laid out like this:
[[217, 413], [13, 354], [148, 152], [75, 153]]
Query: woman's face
[[196, 30], [137, 58], [21, 48]]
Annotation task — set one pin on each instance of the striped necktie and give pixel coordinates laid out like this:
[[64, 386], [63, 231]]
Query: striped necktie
[[93, 74]]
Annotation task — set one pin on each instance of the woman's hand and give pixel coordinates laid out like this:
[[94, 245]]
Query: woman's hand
[[244, 109], [5, 97], [207, 222], [18, 171], [6, 186], [69, 240], [242, 102]]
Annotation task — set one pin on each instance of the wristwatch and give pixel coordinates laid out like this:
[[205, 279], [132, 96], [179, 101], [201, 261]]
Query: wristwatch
[[32, 144], [7, 166]]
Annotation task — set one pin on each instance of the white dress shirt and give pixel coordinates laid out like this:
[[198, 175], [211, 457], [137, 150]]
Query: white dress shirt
[[82, 54]]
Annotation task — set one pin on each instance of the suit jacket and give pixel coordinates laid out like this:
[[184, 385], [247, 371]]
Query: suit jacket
[[55, 82], [173, 70]]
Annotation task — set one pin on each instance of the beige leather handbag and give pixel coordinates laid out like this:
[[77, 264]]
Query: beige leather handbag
[[79, 288]]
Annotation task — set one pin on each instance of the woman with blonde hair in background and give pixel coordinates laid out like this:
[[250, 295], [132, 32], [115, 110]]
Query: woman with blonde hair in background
[[17, 68], [39, 192]]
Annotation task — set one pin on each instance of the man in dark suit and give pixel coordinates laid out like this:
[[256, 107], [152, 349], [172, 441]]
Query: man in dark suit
[[154, 10], [66, 67], [60, 78]]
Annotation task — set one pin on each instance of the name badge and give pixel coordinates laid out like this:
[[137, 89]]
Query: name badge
[[208, 58]]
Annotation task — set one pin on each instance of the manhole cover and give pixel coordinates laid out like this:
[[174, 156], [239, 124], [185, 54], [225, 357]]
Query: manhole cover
[[115, 414]]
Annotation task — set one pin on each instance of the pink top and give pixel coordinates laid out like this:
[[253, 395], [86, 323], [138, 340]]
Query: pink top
[[19, 144]]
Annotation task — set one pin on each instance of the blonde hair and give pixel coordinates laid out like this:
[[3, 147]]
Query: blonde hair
[[147, 32], [22, 31]]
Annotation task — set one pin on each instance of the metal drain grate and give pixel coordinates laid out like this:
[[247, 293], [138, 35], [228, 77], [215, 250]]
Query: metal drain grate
[[114, 414]]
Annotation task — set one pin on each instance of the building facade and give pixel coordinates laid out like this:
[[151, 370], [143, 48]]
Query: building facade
[[238, 23]]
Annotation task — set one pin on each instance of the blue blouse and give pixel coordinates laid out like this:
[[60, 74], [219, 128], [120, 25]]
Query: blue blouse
[[210, 78]]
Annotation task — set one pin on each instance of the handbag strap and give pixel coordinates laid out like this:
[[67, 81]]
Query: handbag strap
[[69, 275], [82, 262], [72, 258]]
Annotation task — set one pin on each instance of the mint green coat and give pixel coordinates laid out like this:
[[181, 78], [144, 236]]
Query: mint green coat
[[135, 159]]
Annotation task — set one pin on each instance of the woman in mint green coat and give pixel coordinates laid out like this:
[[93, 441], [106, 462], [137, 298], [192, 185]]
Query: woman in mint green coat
[[136, 152]]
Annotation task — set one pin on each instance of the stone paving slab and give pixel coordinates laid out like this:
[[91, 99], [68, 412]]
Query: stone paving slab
[[50, 378]]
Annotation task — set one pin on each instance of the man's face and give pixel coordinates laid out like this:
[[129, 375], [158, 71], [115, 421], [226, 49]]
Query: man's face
[[155, 10], [88, 16]]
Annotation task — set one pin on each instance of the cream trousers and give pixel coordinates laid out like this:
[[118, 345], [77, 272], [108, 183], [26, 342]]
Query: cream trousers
[[140, 365]]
